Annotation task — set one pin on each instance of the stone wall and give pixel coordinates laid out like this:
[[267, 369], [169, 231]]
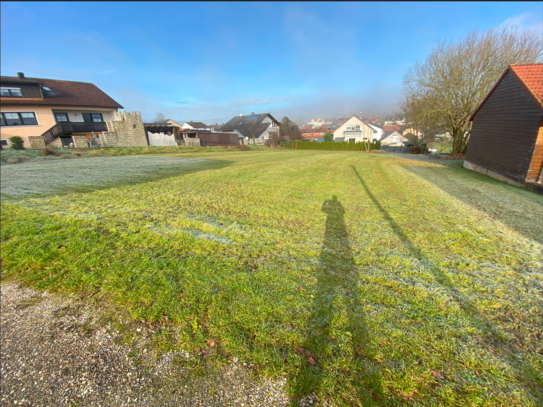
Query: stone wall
[[80, 141], [36, 142], [125, 131]]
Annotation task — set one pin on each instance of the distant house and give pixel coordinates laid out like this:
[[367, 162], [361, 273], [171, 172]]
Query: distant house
[[195, 126], [390, 127], [372, 119], [353, 130], [174, 123], [392, 138], [506, 140], [378, 131], [394, 119], [310, 134], [54, 109], [318, 123], [258, 125], [215, 127]]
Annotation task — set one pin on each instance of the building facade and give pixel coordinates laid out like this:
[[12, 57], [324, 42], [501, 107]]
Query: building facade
[[56, 108], [353, 130]]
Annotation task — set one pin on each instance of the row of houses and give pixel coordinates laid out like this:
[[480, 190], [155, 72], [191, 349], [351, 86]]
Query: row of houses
[[355, 129], [60, 113]]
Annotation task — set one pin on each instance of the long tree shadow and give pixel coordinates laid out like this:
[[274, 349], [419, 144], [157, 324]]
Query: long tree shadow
[[337, 335], [487, 329]]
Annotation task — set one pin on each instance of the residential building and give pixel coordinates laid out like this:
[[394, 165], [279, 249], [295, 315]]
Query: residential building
[[506, 140], [392, 138], [378, 131], [55, 109], [174, 123], [195, 126], [317, 123], [315, 133], [353, 130], [391, 120], [389, 127], [257, 125]]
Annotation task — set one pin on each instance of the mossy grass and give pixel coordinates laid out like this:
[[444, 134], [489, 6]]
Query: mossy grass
[[365, 279]]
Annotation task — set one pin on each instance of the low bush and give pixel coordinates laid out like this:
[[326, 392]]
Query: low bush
[[17, 143]]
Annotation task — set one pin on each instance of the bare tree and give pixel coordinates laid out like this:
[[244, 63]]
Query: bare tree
[[160, 118], [289, 130], [443, 90]]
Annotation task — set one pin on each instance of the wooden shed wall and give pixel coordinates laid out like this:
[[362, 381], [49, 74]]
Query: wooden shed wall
[[505, 129]]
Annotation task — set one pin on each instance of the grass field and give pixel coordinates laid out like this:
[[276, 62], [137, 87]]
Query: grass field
[[365, 279]]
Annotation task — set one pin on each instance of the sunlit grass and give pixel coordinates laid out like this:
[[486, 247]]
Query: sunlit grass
[[400, 290]]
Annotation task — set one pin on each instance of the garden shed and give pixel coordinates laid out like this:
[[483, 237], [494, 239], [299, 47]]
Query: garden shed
[[506, 140]]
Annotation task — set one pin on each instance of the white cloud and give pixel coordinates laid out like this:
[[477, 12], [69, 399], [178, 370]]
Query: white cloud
[[526, 21]]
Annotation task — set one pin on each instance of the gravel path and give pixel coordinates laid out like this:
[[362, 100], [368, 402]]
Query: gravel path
[[55, 353]]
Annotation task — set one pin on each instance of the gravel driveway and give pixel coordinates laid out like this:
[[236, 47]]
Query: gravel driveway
[[55, 353]]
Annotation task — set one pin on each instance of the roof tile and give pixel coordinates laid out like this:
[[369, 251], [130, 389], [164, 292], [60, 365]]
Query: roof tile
[[64, 93], [532, 77]]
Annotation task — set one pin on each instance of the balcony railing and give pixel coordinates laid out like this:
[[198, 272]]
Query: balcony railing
[[352, 133], [74, 127], [60, 129]]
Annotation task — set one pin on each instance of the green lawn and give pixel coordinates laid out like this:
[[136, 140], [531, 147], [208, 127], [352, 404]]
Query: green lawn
[[366, 279]]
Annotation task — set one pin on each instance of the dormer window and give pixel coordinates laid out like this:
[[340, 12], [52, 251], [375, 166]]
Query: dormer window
[[11, 92]]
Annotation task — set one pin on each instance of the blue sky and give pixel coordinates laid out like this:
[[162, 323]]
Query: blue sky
[[211, 61]]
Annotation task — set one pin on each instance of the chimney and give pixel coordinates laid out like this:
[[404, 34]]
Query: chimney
[[20, 75]]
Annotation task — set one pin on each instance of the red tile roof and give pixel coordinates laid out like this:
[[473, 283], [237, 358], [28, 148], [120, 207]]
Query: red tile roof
[[531, 75], [392, 127]]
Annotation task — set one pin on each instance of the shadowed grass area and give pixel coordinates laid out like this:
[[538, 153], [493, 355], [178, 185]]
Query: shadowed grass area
[[349, 273]]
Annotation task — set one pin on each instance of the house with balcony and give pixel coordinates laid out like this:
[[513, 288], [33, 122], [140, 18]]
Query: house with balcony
[[53, 109], [354, 130]]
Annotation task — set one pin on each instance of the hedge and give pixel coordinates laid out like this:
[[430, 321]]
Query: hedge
[[333, 145]]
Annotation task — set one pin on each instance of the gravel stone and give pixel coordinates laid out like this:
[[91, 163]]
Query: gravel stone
[[54, 352]]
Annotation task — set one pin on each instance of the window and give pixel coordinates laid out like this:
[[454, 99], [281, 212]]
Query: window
[[61, 117], [18, 119], [12, 119], [29, 118], [93, 117], [348, 128], [4, 143], [394, 139], [358, 128], [352, 140], [97, 117], [11, 92]]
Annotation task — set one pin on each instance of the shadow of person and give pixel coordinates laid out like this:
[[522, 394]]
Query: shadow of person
[[336, 346]]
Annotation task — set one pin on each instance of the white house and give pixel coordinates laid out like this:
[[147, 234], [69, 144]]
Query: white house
[[195, 126], [354, 130], [257, 125], [392, 138], [378, 131]]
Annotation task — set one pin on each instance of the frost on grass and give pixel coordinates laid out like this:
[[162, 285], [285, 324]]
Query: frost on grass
[[45, 178]]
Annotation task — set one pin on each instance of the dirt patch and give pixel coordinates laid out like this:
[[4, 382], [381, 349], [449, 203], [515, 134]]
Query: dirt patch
[[55, 352]]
